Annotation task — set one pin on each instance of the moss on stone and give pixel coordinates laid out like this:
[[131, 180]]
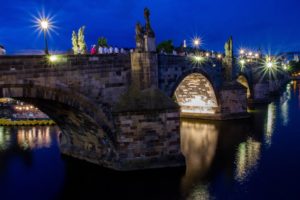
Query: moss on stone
[[35, 122], [151, 99]]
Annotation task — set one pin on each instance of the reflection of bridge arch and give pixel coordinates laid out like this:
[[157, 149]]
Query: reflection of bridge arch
[[196, 94], [87, 133]]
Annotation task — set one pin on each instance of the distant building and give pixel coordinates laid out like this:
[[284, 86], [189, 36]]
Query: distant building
[[290, 56], [296, 57], [2, 50]]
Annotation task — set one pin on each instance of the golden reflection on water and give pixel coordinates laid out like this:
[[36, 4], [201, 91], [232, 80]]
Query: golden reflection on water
[[26, 137], [284, 102], [4, 138], [247, 158], [198, 145], [270, 123], [201, 141], [294, 86], [34, 138]]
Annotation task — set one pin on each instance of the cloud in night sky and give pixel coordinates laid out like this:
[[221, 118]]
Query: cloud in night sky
[[267, 24]]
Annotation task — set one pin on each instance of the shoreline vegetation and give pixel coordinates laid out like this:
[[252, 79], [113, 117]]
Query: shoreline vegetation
[[26, 122]]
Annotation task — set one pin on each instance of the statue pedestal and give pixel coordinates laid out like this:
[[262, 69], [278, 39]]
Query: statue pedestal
[[150, 44]]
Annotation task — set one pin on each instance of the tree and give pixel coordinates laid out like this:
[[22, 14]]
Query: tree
[[102, 42], [74, 43], [81, 41], [166, 46], [78, 41], [294, 66]]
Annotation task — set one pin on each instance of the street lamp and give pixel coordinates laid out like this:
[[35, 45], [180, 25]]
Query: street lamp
[[44, 25], [243, 62], [196, 42], [269, 65]]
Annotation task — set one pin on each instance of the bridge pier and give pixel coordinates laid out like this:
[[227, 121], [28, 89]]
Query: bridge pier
[[233, 101], [261, 93], [148, 139], [147, 130], [147, 120], [233, 95]]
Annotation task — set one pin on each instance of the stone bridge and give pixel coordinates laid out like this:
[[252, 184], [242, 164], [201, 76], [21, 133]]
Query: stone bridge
[[122, 111]]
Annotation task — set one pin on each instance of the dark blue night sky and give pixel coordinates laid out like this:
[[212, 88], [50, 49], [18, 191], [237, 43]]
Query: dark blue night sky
[[269, 24]]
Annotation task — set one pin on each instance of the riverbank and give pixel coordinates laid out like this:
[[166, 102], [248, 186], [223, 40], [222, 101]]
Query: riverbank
[[29, 122]]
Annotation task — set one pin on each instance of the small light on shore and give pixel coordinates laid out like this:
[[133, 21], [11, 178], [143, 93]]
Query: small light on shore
[[53, 58], [243, 62]]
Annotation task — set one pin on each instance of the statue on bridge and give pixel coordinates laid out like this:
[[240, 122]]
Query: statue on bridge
[[145, 36], [229, 74], [229, 48], [148, 30], [139, 32]]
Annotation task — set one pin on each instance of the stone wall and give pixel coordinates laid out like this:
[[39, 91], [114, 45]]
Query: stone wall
[[233, 101], [261, 92], [149, 139]]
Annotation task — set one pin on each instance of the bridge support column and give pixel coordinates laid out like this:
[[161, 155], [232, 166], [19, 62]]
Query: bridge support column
[[261, 92], [233, 100], [148, 139], [148, 130], [233, 96], [147, 120]]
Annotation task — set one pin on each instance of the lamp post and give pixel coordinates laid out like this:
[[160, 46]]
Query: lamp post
[[44, 24], [196, 42], [271, 67]]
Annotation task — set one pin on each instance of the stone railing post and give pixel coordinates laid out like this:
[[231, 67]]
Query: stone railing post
[[144, 70]]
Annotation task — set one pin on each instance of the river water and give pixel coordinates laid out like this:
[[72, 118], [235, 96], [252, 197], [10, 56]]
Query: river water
[[256, 158]]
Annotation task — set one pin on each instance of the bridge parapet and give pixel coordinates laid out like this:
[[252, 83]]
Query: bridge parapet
[[103, 62]]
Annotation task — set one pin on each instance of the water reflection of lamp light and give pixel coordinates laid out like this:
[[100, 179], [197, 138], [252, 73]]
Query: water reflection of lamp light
[[34, 137], [247, 158], [200, 191], [4, 138], [270, 123], [285, 105]]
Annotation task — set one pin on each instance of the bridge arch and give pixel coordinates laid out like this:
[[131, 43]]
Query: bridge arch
[[86, 131], [195, 93], [245, 81]]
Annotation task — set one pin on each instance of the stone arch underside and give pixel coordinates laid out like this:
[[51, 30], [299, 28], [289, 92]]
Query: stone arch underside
[[83, 136], [195, 95], [244, 81]]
